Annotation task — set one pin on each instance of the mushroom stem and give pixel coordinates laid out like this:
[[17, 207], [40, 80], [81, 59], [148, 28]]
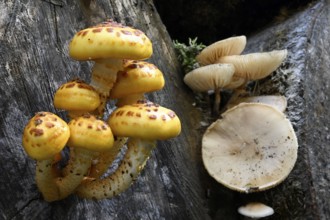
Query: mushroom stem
[[130, 99], [45, 179], [104, 160], [104, 75], [78, 166], [217, 101], [135, 158]]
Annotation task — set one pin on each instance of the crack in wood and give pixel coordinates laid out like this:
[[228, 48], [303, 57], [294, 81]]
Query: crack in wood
[[57, 3]]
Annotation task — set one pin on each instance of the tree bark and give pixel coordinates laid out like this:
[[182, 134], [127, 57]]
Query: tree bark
[[304, 80], [34, 38], [34, 57]]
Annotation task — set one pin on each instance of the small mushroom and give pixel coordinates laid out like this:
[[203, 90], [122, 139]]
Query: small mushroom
[[44, 137], [256, 210], [211, 77], [255, 66], [77, 97], [230, 46], [144, 123], [252, 148], [108, 44], [137, 78], [89, 136]]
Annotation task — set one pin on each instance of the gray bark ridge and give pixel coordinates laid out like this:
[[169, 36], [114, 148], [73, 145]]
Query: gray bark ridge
[[304, 80], [34, 38]]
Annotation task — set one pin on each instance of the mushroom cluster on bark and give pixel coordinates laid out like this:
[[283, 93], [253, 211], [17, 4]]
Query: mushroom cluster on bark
[[121, 73], [245, 67], [252, 146]]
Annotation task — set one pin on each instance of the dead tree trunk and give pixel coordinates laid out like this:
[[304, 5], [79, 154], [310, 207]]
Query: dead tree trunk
[[304, 80], [34, 62], [34, 37]]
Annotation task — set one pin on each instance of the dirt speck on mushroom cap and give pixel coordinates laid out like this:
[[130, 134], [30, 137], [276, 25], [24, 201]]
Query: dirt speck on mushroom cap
[[252, 148]]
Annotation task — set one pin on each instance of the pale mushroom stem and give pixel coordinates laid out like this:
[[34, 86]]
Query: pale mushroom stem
[[130, 99], [78, 166], [104, 160], [217, 101], [75, 114], [135, 158], [45, 179], [104, 75]]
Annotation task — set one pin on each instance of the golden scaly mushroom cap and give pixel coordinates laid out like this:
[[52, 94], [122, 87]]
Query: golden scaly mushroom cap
[[228, 46], [90, 133], [45, 135], [137, 77], [145, 120], [252, 148], [76, 95], [110, 40]]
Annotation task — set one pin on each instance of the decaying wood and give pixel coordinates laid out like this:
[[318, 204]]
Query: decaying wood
[[304, 80], [34, 62]]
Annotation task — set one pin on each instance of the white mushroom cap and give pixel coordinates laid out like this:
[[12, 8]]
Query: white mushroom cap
[[256, 210], [255, 66], [252, 148], [209, 77], [277, 101], [229, 46]]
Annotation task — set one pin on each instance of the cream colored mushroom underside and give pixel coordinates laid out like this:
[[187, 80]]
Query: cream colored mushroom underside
[[255, 66], [209, 77], [252, 148], [276, 101], [229, 46]]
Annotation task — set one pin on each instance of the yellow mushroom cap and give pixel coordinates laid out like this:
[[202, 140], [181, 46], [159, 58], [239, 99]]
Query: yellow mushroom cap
[[90, 133], [76, 95], [45, 135], [110, 40], [255, 66], [137, 77], [145, 120], [228, 46]]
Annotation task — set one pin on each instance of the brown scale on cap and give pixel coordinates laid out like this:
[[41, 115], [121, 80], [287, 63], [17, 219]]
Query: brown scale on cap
[[110, 33], [77, 97], [90, 133], [45, 135]]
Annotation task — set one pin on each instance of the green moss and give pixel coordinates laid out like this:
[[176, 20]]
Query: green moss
[[187, 53]]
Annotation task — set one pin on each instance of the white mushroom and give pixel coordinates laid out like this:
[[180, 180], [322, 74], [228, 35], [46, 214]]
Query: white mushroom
[[252, 148], [255, 66], [228, 46], [256, 210], [210, 77]]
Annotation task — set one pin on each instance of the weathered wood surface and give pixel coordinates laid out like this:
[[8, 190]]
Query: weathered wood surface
[[34, 37], [304, 79]]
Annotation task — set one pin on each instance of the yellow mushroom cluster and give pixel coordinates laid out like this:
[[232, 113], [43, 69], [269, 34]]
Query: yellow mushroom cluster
[[119, 73]]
